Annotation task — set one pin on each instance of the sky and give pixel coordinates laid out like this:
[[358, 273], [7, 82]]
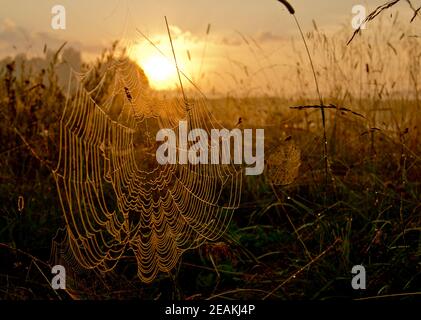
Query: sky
[[25, 26]]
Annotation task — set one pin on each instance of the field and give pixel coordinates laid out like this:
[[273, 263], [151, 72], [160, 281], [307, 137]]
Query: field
[[339, 189]]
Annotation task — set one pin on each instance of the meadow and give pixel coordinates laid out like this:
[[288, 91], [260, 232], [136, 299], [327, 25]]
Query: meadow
[[318, 210]]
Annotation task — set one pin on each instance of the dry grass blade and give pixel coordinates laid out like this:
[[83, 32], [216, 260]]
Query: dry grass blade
[[58, 52], [325, 151], [331, 106], [295, 274], [373, 15], [416, 11], [289, 7], [176, 63]]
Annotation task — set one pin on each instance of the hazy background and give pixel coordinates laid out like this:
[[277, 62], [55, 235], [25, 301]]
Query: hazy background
[[25, 27]]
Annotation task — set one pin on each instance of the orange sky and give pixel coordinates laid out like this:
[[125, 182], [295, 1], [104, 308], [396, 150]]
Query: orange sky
[[250, 38]]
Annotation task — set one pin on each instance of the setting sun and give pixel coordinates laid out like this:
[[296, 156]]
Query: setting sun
[[160, 72]]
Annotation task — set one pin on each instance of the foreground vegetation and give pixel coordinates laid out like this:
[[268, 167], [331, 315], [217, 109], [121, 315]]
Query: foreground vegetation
[[301, 227]]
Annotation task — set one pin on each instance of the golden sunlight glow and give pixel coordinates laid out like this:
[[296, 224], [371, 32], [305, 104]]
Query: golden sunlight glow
[[161, 70], [161, 73]]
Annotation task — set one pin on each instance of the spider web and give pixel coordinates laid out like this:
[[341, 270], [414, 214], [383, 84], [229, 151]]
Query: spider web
[[117, 200]]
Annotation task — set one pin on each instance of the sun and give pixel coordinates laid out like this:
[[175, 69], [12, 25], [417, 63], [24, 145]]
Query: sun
[[160, 71]]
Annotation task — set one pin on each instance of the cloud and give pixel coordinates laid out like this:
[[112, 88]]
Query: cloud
[[268, 36], [185, 35], [10, 33], [175, 30], [231, 41], [8, 24], [262, 38], [15, 39]]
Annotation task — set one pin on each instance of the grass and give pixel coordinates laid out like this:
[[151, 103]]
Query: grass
[[292, 241]]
